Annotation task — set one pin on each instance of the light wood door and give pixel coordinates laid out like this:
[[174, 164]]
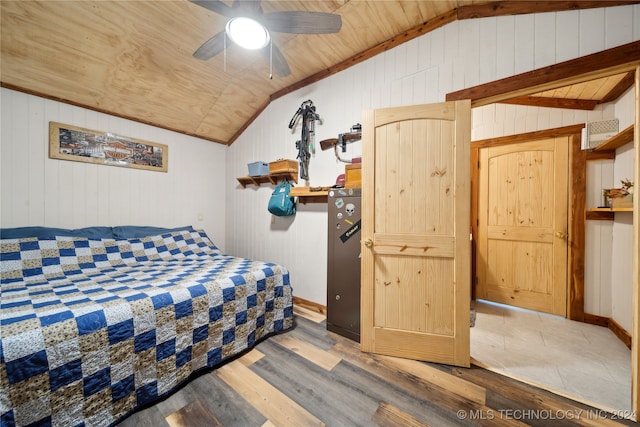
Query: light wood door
[[522, 225], [416, 253]]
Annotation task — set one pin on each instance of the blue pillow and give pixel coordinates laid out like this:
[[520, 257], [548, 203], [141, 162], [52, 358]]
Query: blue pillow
[[88, 232], [136, 231]]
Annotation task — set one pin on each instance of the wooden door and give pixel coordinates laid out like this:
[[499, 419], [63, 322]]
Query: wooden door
[[521, 255], [416, 253]]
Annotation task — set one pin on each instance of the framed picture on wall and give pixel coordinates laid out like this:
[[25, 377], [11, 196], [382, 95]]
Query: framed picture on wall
[[77, 144]]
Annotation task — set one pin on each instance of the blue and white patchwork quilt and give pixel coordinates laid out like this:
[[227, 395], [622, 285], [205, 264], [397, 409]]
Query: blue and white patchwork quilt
[[91, 329]]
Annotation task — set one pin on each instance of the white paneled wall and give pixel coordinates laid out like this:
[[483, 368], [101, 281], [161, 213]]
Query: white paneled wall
[[36, 190], [424, 70]]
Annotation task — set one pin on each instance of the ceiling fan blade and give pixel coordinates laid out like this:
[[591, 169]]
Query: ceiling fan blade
[[279, 62], [302, 22], [211, 47], [248, 6], [216, 6]]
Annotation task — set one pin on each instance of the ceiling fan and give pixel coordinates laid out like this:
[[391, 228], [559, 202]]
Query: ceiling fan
[[294, 22]]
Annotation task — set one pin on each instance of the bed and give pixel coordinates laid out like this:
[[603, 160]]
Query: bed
[[98, 322]]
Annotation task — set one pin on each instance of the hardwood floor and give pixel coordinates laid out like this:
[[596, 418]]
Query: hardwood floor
[[309, 376]]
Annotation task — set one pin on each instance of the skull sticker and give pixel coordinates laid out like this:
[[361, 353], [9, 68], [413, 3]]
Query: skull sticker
[[350, 209]]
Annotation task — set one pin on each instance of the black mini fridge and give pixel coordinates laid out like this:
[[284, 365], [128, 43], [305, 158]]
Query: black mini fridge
[[343, 262]]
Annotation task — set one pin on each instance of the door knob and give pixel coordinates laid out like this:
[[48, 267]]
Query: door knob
[[368, 243], [560, 235]]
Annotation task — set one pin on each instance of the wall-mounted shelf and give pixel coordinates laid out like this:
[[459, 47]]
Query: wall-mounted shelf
[[601, 155], [611, 209], [605, 214], [618, 140], [272, 178], [310, 194], [605, 151]]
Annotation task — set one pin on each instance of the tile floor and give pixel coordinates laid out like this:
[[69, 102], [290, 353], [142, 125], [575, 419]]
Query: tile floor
[[585, 362]]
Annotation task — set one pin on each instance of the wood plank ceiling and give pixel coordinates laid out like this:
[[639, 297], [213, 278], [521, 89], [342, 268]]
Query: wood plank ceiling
[[133, 59]]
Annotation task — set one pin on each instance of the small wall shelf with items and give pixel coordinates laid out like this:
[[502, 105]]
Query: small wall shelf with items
[[351, 179], [607, 151], [616, 200], [310, 194], [272, 178], [272, 173]]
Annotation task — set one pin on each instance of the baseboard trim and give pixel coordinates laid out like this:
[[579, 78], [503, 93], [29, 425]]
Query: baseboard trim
[[310, 305], [594, 319], [613, 326], [620, 332]]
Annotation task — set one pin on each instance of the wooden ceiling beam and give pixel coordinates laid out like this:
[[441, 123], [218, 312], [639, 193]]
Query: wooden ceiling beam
[[503, 8], [544, 101], [615, 60]]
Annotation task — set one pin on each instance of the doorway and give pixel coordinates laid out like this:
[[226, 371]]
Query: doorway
[[518, 89], [542, 349], [546, 350], [515, 358]]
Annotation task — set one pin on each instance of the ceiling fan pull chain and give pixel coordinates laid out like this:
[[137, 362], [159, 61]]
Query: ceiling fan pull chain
[[225, 51], [271, 60]]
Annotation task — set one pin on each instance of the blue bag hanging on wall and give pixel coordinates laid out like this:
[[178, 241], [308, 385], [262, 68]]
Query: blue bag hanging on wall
[[280, 203]]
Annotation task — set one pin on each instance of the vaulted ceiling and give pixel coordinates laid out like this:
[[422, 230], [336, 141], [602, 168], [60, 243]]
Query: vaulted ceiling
[[134, 59]]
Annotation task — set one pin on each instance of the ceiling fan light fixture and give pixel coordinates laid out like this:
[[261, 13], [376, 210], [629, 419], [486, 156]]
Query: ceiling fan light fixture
[[247, 33]]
